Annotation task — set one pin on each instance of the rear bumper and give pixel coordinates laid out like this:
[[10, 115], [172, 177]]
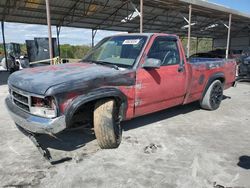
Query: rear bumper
[[34, 123]]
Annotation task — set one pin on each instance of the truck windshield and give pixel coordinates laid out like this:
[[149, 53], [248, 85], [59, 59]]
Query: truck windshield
[[121, 51]]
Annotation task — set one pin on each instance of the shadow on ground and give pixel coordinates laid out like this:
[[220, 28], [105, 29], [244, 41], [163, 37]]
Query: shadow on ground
[[244, 162], [68, 140], [4, 75], [73, 139], [159, 116]]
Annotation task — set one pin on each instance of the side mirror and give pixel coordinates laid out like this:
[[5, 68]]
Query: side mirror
[[152, 63]]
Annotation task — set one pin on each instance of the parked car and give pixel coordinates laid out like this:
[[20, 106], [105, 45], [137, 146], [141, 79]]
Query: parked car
[[15, 61], [219, 53], [244, 65], [123, 77], [203, 55]]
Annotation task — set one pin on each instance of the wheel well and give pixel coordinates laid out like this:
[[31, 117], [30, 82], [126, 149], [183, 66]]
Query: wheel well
[[222, 79], [83, 116]]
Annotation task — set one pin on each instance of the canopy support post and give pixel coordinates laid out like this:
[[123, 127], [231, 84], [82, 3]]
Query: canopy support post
[[58, 30], [189, 31], [197, 44], [4, 45], [212, 43], [49, 31], [94, 31], [141, 16], [228, 35]]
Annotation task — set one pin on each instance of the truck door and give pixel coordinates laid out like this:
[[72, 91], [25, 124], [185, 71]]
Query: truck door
[[164, 87]]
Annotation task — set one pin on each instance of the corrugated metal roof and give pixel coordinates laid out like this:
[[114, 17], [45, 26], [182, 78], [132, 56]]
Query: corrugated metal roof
[[159, 15]]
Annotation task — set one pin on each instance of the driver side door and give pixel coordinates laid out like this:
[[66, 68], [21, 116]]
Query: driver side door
[[163, 87]]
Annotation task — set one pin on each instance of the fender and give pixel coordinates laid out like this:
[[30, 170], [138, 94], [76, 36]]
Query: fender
[[215, 76], [94, 95]]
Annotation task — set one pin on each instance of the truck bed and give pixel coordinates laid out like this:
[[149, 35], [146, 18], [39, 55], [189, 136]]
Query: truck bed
[[204, 69]]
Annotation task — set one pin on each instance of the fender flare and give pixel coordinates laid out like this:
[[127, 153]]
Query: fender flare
[[95, 95], [215, 76]]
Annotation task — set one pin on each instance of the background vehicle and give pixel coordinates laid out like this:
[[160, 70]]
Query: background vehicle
[[15, 60], [123, 77], [219, 53], [244, 65]]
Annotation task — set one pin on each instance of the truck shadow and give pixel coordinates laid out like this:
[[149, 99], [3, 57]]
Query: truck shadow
[[159, 116], [71, 140], [68, 140]]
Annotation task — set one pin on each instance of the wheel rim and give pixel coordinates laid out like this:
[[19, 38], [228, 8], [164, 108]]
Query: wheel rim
[[216, 95]]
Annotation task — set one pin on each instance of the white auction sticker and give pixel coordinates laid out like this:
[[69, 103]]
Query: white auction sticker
[[131, 42]]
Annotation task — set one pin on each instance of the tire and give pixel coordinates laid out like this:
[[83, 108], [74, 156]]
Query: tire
[[213, 96], [107, 124]]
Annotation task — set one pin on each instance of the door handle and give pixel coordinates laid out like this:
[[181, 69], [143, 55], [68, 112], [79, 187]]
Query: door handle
[[181, 68]]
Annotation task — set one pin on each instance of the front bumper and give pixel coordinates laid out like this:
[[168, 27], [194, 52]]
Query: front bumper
[[32, 123]]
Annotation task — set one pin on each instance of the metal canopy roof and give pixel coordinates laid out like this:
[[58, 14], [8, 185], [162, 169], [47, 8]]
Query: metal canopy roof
[[208, 20]]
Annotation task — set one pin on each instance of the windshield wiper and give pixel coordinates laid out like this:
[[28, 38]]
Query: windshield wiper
[[105, 64]]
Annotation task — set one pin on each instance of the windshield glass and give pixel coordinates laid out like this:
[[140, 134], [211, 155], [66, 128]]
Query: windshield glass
[[121, 51]]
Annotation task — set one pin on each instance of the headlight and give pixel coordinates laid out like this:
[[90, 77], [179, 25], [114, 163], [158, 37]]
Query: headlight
[[45, 107]]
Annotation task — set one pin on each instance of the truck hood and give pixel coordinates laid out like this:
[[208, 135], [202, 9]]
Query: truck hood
[[51, 80]]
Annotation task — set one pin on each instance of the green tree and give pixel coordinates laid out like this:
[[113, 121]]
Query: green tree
[[74, 52]]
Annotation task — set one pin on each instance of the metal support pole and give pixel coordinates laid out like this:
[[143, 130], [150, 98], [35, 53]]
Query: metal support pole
[[197, 45], [58, 29], [93, 37], [4, 46], [141, 16], [228, 35], [212, 43], [49, 31], [189, 31]]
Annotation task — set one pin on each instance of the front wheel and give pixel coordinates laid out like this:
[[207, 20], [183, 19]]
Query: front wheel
[[213, 97], [107, 124]]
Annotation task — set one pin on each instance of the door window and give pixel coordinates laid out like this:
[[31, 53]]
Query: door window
[[166, 50]]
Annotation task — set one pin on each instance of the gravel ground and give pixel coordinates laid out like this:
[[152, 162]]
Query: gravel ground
[[181, 147]]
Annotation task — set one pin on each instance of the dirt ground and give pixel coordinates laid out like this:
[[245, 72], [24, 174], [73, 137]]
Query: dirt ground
[[182, 147]]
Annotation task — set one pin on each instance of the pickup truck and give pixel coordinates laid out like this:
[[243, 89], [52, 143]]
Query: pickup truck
[[122, 77]]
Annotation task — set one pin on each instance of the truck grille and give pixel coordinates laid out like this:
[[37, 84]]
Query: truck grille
[[21, 100]]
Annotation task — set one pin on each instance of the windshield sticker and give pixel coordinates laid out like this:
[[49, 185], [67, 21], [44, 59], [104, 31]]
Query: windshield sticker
[[131, 42]]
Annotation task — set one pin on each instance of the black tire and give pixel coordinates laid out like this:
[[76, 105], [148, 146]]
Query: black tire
[[106, 124], [213, 96]]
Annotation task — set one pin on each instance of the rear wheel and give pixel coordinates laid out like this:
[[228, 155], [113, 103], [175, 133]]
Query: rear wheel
[[213, 96], [107, 124]]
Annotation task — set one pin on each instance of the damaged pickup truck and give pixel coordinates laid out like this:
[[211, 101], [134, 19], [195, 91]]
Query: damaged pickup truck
[[122, 77]]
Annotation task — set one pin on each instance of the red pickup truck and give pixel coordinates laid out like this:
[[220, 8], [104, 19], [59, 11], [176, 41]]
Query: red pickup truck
[[122, 77]]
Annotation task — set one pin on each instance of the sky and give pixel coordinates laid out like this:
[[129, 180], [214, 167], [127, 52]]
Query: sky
[[241, 5], [15, 32]]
